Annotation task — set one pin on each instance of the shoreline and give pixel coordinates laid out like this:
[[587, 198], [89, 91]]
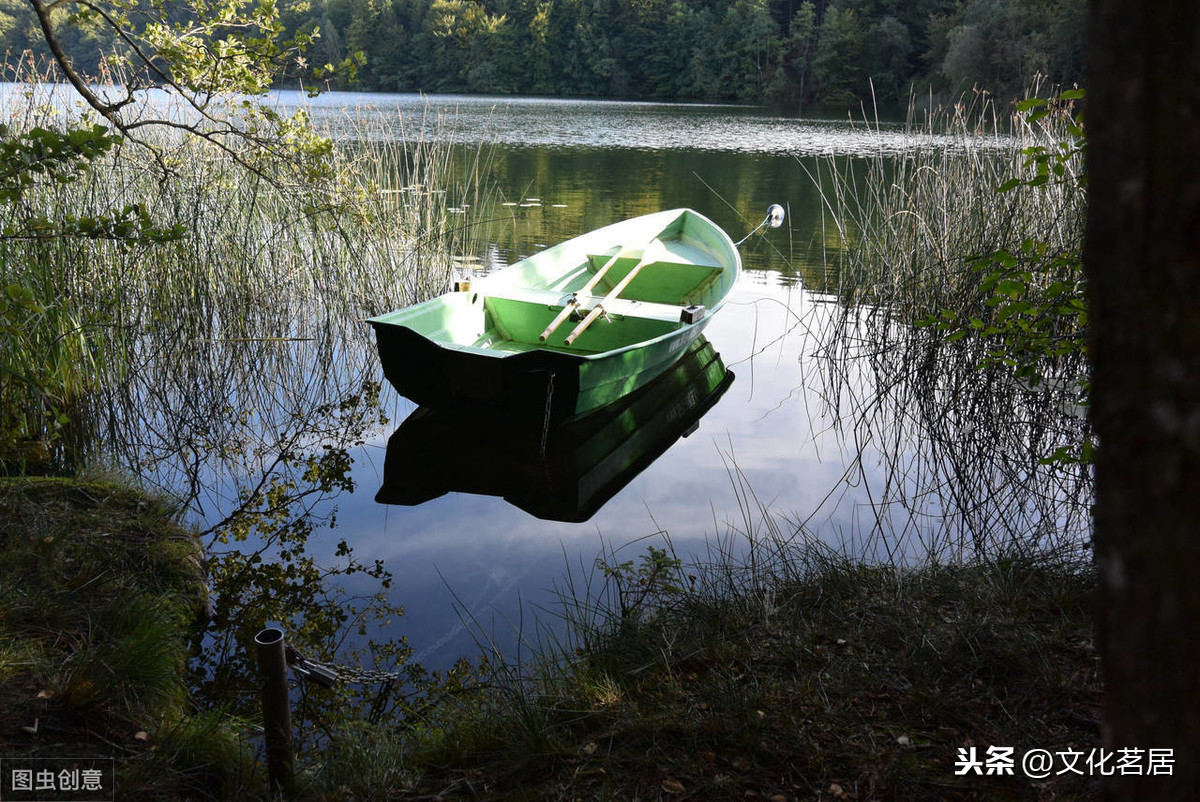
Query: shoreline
[[811, 677]]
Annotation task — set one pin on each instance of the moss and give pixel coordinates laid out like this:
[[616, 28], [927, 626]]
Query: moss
[[100, 593]]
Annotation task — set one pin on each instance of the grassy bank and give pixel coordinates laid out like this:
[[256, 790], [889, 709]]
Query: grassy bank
[[100, 593], [809, 678], [831, 680]]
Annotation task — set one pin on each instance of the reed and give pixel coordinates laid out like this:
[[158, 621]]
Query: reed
[[975, 439], [910, 223], [271, 274]]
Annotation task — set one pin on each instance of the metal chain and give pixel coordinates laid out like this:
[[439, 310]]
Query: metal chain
[[546, 417], [326, 673]]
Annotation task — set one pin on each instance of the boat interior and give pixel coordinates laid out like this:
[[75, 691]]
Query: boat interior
[[642, 292]]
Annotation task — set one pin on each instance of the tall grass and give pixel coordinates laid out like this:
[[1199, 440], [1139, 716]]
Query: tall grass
[[968, 445], [912, 221], [269, 278]]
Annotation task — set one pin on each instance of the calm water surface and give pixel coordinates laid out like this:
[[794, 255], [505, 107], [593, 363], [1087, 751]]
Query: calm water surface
[[763, 437], [564, 167], [768, 450], [566, 123]]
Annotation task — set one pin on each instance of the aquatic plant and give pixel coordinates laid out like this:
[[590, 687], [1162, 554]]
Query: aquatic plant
[[218, 353], [958, 340]]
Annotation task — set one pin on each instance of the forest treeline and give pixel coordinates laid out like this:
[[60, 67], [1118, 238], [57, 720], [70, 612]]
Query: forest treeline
[[772, 51]]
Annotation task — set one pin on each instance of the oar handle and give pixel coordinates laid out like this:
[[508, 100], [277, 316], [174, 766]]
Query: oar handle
[[562, 315], [597, 310], [573, 304]]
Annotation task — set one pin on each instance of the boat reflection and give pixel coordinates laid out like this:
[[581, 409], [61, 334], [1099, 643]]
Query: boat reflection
[[561, 471]]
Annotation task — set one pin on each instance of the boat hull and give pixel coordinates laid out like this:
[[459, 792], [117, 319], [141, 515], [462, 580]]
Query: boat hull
[[432, 374], [484, 345]]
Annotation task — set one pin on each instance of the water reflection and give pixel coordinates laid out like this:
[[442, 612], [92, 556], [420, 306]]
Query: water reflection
[[564, 471]]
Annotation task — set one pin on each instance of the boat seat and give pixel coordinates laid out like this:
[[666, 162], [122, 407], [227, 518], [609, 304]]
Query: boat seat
[[643, 309], [662, 280], [617, 306]]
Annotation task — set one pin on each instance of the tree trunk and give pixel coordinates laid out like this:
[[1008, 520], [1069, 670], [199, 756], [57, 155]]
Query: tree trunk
[[1142, 256]]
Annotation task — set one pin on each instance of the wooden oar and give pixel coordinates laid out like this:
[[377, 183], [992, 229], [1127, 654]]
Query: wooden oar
[[587, 288], [648, 255]]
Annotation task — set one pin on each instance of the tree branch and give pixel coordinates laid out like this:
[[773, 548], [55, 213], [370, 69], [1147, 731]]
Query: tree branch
[[108, 111]]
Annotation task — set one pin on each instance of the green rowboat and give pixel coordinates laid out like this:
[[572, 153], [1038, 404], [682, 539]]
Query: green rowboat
[[582, 323]]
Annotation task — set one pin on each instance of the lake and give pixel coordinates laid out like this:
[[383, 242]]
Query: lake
[[565, 167], [782, 453]]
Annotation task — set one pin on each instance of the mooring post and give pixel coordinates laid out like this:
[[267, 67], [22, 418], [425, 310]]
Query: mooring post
[[277, 712]]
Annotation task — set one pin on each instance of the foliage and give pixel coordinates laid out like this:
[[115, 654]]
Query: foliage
[[99, 235], [640, 590], [202, 54], [838, 64], [267, 576], [746, 50], [1036, 316], [263, 574], [37, 152], [998, 44], [41, 154]]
